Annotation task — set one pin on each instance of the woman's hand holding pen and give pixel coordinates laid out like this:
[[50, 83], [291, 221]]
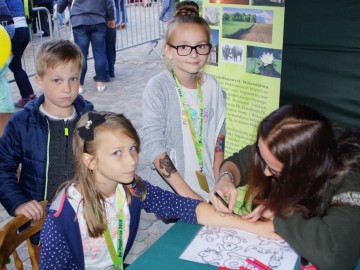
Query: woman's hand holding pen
[[224, 188], [207, 215]]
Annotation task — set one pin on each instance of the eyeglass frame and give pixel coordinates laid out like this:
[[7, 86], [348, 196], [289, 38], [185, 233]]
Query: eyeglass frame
[[192, 48], [274, 173]]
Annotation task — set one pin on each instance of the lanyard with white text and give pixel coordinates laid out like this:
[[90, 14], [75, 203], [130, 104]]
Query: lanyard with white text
[[198, 140], [117, 258]]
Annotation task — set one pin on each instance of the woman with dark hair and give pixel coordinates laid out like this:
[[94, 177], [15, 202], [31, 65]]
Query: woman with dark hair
[[303, 179]]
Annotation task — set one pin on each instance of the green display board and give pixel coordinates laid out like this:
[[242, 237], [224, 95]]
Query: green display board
[[247, 60]]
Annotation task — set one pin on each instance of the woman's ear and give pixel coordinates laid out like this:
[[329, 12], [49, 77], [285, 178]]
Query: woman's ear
[[89, 161]]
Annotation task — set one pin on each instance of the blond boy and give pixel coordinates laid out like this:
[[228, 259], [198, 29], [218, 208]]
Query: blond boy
[[38, 138]]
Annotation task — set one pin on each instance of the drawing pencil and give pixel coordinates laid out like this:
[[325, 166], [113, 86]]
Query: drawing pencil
[[222, 201]]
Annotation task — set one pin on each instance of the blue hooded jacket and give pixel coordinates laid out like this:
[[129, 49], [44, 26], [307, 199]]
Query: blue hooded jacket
[[25, 142]]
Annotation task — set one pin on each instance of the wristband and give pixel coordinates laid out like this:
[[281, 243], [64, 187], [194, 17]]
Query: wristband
[[225, 173]]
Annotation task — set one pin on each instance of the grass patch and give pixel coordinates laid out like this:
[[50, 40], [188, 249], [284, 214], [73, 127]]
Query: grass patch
[[232, 27]]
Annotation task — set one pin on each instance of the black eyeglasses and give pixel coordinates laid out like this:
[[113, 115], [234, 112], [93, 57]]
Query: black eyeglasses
[[185, 50], [275, 174]]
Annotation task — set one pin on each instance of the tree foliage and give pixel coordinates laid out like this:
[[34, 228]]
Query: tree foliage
[[239, 17]]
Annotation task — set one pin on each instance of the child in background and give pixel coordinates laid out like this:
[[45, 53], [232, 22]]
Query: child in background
[[19, 42], [39, 137], [6, 104], [98, 212], [183, 127]]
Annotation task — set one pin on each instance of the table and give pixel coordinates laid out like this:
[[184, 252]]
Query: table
[[165, 253]]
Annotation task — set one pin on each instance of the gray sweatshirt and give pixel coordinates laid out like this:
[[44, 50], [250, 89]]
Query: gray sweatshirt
[[161, 130]]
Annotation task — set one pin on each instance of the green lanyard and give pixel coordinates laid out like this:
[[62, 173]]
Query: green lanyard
[[117, 258], [199, 139]]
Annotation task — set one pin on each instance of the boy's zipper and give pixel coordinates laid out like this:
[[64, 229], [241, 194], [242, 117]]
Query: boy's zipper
[[66, 133], [47, 159]]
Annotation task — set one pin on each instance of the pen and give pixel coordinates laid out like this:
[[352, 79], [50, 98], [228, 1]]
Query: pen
[[222, 200], [257, 264]]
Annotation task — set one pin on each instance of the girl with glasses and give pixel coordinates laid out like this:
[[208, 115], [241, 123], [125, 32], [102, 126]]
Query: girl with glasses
[[183, 129], [303, 179]]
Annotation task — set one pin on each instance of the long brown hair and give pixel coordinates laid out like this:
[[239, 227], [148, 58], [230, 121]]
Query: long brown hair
[[93, 199], [303, 140]]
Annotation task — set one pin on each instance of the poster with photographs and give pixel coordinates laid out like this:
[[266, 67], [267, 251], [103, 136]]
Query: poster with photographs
[[247, 38]]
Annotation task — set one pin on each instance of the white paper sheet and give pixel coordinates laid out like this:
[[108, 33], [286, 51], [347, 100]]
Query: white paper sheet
[[231, 248]]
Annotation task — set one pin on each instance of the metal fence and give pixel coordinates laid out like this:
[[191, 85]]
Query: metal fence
[[143, 26]]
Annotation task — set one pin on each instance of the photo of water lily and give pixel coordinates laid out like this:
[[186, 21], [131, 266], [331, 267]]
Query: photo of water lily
[[264, 61]]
